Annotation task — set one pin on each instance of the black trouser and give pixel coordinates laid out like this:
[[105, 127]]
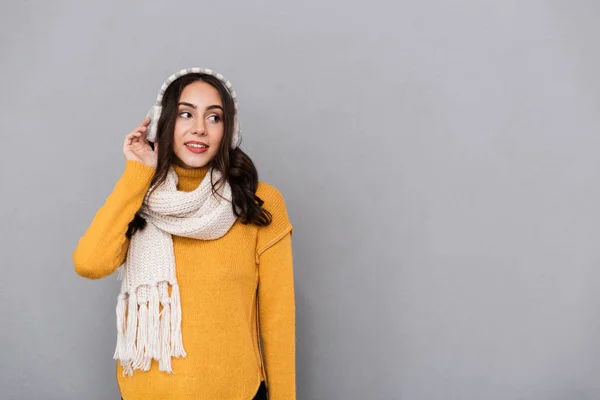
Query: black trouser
[[262, 392], [260, 395]]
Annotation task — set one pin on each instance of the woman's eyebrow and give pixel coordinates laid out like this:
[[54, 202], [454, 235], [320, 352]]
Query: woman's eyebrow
[[185, 103]]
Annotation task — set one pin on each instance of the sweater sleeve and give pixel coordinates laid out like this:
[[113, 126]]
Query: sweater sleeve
[[103, 247], [276, 300]]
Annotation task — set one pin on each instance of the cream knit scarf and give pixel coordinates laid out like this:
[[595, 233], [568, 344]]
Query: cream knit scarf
[[147, 332]]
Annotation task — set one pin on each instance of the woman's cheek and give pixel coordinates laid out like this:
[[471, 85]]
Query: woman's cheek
[[180, 129]]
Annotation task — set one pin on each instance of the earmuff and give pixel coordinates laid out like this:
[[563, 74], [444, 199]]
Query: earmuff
[[156, 109]]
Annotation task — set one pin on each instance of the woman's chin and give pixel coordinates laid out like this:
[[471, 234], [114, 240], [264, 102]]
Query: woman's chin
[[196, 163], [193, 161]]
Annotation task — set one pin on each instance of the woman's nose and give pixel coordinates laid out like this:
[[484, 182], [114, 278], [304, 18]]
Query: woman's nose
[[200, 128]]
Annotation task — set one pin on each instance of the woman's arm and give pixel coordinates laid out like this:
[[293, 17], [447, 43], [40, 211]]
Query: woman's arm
[[276, 302], [103, 247], [277, 318]]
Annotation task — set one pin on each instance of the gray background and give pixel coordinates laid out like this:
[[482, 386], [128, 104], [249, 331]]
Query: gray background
[[439, 161]]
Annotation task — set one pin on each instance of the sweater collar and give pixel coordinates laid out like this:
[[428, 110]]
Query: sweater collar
[[189, 178]]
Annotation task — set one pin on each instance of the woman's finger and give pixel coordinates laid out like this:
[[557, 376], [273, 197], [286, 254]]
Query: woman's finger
[[145, 123], [133, 136], [136, 134]]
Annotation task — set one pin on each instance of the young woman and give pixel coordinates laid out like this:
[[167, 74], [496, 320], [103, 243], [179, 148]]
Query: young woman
[[204, 252]]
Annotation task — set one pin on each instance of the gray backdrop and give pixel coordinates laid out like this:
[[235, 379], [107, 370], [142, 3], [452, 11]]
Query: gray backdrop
[[439, 161]]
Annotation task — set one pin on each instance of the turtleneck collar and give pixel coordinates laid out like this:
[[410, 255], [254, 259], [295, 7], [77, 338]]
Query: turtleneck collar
[[189, 178]]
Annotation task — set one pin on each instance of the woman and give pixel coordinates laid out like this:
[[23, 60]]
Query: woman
[[204, 253]]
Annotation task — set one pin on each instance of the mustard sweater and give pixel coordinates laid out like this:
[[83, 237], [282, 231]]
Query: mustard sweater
[[229, 287]]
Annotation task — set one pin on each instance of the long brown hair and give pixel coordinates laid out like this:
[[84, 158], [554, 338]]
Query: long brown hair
[[235, 166]]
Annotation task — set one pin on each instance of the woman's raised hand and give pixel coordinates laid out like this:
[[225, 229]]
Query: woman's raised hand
[[137, 147]]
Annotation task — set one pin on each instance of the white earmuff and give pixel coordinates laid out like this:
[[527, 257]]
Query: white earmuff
[[154, 114]]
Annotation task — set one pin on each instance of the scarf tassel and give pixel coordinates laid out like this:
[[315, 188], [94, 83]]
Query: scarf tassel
[[145, 332], [153, 324], [121, 309], [142, 361], [130, 334], [128, 347], [164, 363], [177, 349]]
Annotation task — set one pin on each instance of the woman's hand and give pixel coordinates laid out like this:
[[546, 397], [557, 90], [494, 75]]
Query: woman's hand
[[137, 147]]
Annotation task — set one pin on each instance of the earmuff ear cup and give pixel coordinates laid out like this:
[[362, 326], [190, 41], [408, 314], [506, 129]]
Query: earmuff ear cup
[[154, 114], [236, 139]]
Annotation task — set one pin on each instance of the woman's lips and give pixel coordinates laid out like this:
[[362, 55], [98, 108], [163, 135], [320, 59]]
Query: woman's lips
[[196, 150]]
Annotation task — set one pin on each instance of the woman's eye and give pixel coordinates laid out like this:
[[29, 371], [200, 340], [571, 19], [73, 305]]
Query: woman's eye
[[217, 118], [185, 114]]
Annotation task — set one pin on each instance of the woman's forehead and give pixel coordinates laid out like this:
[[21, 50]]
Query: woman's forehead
[[200, 93]]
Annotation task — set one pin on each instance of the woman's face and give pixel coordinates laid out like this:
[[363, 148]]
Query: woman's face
[[198, 126]]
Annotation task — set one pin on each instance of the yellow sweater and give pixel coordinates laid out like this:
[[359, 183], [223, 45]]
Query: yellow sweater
[[228, 287]]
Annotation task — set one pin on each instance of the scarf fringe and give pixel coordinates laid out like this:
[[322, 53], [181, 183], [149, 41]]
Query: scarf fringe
[[145, 333], [141, 359], [121, 308], [176, 340], [130, 334], [164, 364], [153, 320]]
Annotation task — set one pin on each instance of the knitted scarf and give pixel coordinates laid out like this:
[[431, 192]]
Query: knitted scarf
[[145, 331]]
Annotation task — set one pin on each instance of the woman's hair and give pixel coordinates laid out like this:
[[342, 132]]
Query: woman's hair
[[235, 166]]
